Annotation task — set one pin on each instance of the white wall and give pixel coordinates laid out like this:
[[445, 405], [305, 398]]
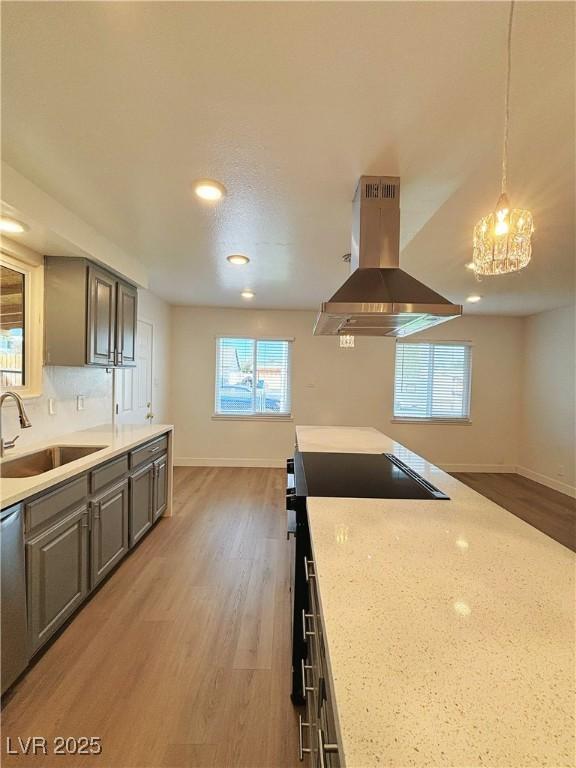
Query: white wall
[[63, 385], [548, 424], [332, 386]]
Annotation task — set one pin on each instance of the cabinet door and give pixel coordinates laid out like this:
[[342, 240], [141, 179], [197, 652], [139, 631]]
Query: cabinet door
[[141, 502], [127, 309], [57, 562], [160, 486], [101, 321], [109, 540]]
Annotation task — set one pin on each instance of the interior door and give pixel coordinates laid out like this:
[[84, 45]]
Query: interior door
[[133, 386]]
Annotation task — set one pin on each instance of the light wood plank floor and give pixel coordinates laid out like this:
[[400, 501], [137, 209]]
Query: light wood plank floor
[[183, 657], [551, 512]]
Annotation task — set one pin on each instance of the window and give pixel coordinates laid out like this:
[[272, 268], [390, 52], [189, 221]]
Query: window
[[12, 359], [252, 377], [21, 305], [432, 381]]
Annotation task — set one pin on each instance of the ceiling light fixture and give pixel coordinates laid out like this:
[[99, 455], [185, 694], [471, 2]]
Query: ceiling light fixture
[[12, 226], [247, 294], [474, 299], [208, 189], [238, 258], [502, 239]]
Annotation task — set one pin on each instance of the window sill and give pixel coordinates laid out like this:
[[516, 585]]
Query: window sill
[[251, 417], [456, 422]]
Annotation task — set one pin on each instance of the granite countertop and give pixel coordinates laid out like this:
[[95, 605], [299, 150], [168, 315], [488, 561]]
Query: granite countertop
[[449, 624], [116, 439]]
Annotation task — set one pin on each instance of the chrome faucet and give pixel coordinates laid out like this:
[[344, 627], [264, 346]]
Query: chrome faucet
[[24, 420]]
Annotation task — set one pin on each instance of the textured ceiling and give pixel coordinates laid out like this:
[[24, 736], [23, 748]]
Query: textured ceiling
[[114, 108]]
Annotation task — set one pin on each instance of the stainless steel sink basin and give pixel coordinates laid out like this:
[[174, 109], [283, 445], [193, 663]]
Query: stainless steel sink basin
[[43, 461]]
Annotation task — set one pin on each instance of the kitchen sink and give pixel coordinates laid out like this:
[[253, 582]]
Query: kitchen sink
[[43, 461]]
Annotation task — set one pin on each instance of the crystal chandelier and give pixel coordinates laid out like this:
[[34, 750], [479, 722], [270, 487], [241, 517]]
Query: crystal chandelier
[[502, 239]]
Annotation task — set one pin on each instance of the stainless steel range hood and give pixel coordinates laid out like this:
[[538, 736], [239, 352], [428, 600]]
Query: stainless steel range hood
[[379, 299]]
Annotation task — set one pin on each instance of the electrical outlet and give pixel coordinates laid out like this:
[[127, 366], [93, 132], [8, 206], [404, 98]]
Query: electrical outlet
[[79, 402], [51, 406], [561, 470]]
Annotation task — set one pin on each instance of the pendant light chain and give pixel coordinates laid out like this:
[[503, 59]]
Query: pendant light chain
[[507, 101], [502, 239]]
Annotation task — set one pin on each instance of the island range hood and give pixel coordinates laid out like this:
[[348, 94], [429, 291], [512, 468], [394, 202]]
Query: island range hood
[[379, 299]]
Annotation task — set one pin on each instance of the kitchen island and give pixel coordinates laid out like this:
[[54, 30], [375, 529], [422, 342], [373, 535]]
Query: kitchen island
[[449, 625]]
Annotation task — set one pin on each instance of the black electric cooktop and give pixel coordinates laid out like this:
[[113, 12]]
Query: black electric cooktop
[[362, 476]]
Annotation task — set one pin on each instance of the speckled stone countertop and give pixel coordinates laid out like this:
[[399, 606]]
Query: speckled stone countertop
[[115, 439], [449, 624]]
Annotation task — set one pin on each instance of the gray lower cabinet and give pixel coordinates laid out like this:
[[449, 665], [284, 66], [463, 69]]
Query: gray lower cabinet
[[141, 502], [160, 487], [74, 535], [109, 536], [57, 574]]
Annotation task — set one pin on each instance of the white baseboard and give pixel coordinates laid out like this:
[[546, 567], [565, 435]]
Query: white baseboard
[[186, 461], [478, 467], [550, 482]]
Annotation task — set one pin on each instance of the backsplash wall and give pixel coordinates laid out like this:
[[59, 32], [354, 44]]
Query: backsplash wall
[[63, 385]]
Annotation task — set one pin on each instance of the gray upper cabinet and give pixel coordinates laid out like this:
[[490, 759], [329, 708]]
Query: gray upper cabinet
[[101, 321], [126, 316], [109, 539], [90, 315], [57, 583]]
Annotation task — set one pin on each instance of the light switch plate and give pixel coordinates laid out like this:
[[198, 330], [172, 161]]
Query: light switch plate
[[51, 406], [79, 402]]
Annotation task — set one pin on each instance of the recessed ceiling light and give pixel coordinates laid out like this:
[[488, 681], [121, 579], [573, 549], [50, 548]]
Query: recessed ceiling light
[[238, 258], [247, 294], [470, 265], [474, 299], [12, 227], [208, 189]]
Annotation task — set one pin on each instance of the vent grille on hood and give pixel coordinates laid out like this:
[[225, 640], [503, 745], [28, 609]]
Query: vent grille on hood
[[380, 299]]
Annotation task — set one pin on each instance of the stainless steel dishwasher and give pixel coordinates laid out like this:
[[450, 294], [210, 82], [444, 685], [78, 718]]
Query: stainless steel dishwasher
[[13, 593]]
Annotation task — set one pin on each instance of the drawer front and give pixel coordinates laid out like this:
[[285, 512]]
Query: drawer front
[[148, 452], [108, 473], [41, 511]]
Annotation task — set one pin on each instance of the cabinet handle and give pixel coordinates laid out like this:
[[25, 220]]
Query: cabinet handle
[[85, 520], [96, 510], [304, 686], [301, 748], [155, 450], [120, 358], [309, 573], [305, 632], [324, 749]]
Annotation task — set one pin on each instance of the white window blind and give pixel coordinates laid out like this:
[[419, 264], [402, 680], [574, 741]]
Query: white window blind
[[252, 377], [432, 381]]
